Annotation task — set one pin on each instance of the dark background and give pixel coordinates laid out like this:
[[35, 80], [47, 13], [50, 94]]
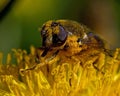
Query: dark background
[[20, 19]]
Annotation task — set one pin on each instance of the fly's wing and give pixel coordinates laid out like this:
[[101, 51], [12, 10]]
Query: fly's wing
[[101, 43], [104, 42], [74, 27]]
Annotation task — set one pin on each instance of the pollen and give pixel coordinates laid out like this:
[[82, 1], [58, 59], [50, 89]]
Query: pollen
[[71, 72]]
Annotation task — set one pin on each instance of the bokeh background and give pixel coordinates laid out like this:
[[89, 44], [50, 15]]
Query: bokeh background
[[20, 19]]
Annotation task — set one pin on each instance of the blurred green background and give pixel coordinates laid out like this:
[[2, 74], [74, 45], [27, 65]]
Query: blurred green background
[[20, 19]]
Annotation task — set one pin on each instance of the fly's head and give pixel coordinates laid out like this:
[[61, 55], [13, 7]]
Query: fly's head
[[53, 34]]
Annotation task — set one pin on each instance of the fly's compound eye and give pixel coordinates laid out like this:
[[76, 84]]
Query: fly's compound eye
[[59, 38]]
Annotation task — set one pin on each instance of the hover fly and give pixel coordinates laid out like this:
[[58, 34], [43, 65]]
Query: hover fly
[[55, 33]]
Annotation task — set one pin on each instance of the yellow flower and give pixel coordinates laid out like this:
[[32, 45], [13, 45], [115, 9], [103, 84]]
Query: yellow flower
[[92, 73]]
